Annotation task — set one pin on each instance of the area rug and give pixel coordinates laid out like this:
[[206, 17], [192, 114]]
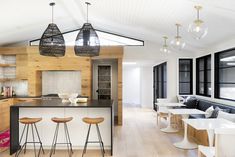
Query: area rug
[[5, 139]]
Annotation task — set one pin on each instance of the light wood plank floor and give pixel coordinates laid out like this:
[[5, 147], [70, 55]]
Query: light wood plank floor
[[138, 137]]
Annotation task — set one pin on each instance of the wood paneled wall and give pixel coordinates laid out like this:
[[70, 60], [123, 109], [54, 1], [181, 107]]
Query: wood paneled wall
[[38, 63]]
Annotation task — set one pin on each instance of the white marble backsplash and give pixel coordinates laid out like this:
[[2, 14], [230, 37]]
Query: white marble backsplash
[[20, 87], [54, 82]]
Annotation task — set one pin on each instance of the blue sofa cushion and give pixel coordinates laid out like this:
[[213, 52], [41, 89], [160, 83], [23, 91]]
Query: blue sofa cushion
[[191, 103]]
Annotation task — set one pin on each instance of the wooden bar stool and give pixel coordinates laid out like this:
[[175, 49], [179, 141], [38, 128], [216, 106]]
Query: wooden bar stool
[[30, 122], [94, 121], [67, 137]]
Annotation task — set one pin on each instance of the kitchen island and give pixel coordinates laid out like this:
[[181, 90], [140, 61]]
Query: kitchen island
[[48, 108]]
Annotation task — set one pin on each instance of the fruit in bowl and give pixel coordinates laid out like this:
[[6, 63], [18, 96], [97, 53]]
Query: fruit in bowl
[[65, 96]]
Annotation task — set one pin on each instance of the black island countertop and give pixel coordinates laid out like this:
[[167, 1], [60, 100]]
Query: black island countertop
[[57, 103], [19, 96]]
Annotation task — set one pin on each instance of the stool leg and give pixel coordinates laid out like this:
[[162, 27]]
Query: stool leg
[[26, 140], [85, 147], [41, 148], [67, 141], [18, 152], [100, 140], [53, 142], [56, 137], [35, 153], [71, 149]]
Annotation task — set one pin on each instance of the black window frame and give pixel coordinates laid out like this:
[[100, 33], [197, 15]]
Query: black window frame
[[205, 70], [191, 76], [217, 74], [156, 81]]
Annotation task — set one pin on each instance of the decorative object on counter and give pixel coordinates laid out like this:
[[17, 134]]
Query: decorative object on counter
[[7, 91], [198, 29], [73, 100], [52, 41], [65, 96], [177, 42], [87, 42], [82, 100], [165, 47]]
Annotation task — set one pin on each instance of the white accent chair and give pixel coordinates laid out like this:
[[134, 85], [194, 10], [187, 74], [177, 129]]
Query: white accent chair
[[162, 112], [224, 144]]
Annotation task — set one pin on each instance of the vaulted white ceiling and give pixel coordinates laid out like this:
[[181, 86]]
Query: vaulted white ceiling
[[149, 20]]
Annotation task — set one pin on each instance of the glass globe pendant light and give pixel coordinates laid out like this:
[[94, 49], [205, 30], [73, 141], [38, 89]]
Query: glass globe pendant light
[[177, 43], [165, 48], [52, 41], [87, 42], [198, 28]]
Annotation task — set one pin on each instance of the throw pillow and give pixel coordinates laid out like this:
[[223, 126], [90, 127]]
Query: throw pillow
[[209, 112], [228, 116], [216, 111]]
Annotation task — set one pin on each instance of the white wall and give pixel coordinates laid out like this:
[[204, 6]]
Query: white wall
[[131, 85], [146, 80], [148, 56]]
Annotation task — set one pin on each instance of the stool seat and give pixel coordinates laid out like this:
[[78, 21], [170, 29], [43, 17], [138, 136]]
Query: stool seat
[[27, 120], [61, 120], [93, 120]]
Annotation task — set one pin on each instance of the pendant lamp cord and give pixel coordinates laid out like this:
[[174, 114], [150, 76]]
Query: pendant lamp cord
[[165, 38], [197, 14], [52, 13], [87, 13], [87, 3], [52, 4], [177, 30]]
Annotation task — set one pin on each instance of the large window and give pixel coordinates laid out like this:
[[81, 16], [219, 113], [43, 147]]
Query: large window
[[225, 74], [160, 81], [185, 76], [203, 71]]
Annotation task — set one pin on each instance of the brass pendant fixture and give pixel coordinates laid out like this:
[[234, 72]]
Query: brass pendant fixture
[[198, 29], [165, 47], [177, 43]]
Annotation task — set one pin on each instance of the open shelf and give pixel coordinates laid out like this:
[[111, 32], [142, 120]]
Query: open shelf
[[7, 65]]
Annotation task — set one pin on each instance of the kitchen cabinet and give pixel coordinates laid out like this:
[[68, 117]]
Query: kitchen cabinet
[[5, 114], [5, 105]]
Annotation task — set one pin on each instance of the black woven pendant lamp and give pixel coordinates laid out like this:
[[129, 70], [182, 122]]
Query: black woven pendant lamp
[[52, 41], [87, 42]]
